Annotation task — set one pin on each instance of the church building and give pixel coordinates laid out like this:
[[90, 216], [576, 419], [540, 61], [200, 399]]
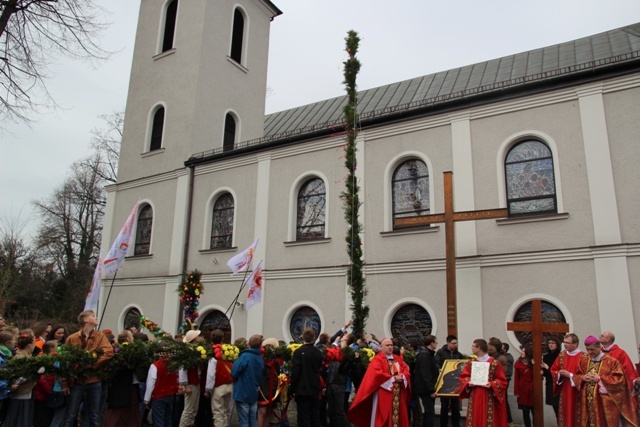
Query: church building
[[550, 136]]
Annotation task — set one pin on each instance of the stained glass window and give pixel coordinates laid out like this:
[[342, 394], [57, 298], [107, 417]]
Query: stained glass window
[[132, 318], [143, 231], [550, 314], [531, 187], [410, 324], [312, 199], [303, 318], [216, 319], [410, 188], [222, 222]]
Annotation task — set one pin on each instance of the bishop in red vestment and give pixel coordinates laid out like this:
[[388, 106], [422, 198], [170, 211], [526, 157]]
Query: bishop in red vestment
[[487, 403], [383, 396], [605, 399], [562, 371]]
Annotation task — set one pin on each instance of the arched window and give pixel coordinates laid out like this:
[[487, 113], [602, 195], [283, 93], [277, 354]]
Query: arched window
[[157, 129], [312, 199], [529, 178], [411, 323], [229, 132], [222, 222], [132, 318], [169, 25], [301, 319], [216, 319], [237, 37], [550, 314], [410, 190], [143, 231]]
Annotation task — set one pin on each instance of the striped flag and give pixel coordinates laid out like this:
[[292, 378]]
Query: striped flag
[[242, 261], [255, 286]]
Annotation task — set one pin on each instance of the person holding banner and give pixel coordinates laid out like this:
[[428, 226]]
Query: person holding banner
[[487, 406]]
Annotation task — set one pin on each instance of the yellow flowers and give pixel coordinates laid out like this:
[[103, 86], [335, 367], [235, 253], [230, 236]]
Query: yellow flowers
[[370, 353], [293, 347], [230, 352], [203, 352]]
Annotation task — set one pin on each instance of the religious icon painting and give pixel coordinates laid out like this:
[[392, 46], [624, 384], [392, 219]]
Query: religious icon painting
[[448, 384]]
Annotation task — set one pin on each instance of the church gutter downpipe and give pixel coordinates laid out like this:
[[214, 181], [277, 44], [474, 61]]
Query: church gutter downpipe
[[187, 239]]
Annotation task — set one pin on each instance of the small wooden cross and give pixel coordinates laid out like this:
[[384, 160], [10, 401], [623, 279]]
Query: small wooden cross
[[537, 327], [449, 217]]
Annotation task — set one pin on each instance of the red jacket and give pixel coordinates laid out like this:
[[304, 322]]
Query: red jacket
[[43, 387], [523, 384]]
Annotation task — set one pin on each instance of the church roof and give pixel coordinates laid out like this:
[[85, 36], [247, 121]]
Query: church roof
[[539, 69]]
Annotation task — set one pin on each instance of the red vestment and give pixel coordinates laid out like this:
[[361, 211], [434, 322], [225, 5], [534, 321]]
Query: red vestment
[[392, 405], [562, 386], [627, 365], [487, 406], [607, 403]]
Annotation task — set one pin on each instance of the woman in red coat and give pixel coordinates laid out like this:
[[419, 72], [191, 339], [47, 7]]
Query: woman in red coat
[[523, 385]]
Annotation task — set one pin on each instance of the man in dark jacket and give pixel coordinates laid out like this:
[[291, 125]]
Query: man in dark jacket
[[425, 377], [449, 351], [246, 373], [305, 380]]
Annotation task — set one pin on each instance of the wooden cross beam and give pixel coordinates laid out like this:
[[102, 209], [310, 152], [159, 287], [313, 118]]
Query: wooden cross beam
[[449, 217], [537, 327]]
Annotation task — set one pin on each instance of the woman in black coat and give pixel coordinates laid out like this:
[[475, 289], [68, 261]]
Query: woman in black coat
[[553, 346]]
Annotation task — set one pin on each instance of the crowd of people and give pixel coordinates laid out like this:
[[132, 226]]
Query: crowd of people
[[325, 376]]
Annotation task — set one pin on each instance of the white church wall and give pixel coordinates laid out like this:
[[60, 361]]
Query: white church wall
[[290, 169], [570, 282], [242, 181], [633, 263], [623, 127], [389, 291], [285, 293], [557, 121]]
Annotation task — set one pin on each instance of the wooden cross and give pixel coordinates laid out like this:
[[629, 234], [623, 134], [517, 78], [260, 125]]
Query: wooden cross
[[537, 327], [449, 217]]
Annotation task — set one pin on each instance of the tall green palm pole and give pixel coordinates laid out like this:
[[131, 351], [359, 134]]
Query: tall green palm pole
[[355, 276]]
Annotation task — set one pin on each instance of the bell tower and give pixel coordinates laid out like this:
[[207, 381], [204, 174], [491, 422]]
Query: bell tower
[[198, 81]]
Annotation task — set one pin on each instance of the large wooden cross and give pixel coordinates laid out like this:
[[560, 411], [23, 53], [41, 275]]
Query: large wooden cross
[[537, 327], [449, 217]]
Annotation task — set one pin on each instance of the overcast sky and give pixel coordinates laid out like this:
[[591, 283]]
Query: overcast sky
[[400, 40]]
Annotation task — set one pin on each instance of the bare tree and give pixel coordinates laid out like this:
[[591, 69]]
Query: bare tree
[[31, 33], [14, 253], [69, 236], [106, 144]]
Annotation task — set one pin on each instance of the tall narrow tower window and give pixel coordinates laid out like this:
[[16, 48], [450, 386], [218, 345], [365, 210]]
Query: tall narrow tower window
[[229, 133], [237, 36], [156, 130], [170, 26]]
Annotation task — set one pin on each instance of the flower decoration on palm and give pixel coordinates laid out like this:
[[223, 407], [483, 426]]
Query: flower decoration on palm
[[227, 352], [190, 290]]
